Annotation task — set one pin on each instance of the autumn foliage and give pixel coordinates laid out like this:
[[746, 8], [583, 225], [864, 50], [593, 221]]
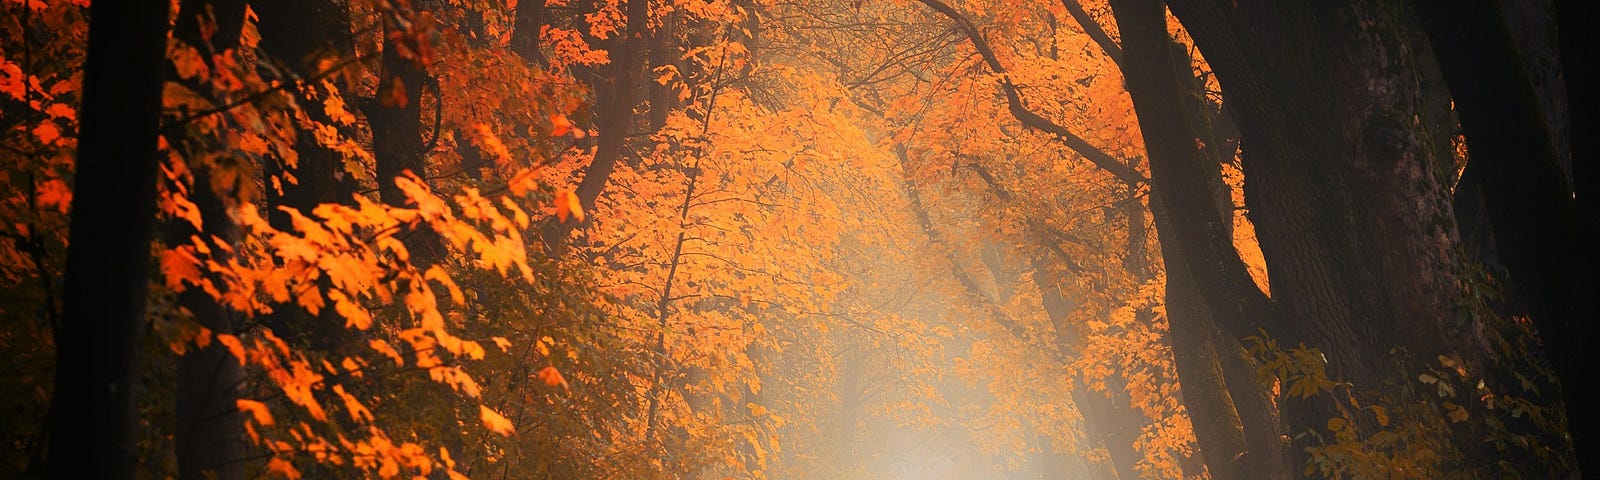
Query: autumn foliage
[[793, 239]]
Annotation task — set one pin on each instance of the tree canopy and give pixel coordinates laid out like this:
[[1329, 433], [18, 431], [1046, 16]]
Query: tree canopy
[[731, 239]]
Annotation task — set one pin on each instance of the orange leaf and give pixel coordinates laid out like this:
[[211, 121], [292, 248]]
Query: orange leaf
[[257, 410], [496, 422], [550, 376], [560, 125], [282, 468], [234, 346], [567, 205]]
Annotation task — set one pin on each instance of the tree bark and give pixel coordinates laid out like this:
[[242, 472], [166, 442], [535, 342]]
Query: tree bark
[[1347, 180], [1519, 163], [106, 280], [1236, 426], [396, 120], [209, 438]]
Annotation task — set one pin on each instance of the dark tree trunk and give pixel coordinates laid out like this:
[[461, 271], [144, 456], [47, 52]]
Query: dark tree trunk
[[92, 431], [1234, 423], [1347, 180], [397, 117], [1519, 163], [525, 33], [615, 119], [210, 436], [1579, 46], [396, 120]]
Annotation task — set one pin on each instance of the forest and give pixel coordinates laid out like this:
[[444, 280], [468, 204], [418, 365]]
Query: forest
[[797, 239]]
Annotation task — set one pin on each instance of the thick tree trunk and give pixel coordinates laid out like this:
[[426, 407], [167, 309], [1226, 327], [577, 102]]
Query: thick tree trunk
[[397, 129], [92, 431], [397, 118], [525, 32], [1347, 179], [1579, 46], [1234, 423], [1519, 162]]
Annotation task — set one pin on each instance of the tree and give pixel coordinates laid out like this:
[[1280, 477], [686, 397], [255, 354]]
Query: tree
[[1352, 202], [105, 281]]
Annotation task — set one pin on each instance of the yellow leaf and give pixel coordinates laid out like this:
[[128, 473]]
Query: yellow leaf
[[496, 422]]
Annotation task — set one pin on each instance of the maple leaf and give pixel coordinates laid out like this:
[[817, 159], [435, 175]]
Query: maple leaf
[[496, 422], [233, 345], [47, 132], [180, 268], [567, 205], [552, 377], [257, 410], [283, 468]]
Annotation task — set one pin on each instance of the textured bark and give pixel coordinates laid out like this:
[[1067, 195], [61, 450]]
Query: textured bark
[[297, 33], [108, 255], [397, 119], [525, 33], [1237, 438], [1347, 180], [397, 131]]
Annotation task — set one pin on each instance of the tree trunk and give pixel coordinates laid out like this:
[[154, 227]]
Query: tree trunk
[[106, 280], [396, 120], [1579, 44], [1519, 162], [1234, 423], [209, 438], [615, 118], [1347, 180]]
